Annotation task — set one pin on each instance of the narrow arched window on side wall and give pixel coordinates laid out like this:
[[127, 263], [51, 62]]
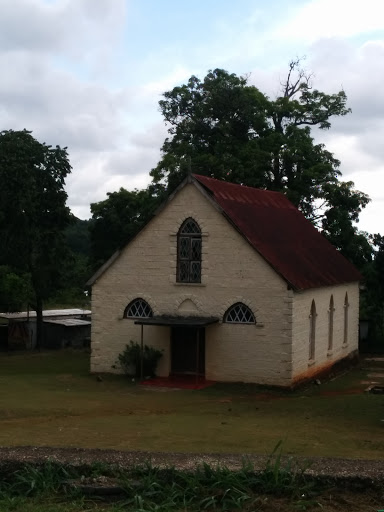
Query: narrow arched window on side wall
[[138, 308], [239, 313], [189, 252], [346, 306], [312, 331], [330, 323]]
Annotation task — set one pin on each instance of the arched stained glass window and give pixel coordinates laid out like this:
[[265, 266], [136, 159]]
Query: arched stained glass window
[[312, 330], [138, 308], [189, 252], [330, 324], [239, 313], [346, 306]]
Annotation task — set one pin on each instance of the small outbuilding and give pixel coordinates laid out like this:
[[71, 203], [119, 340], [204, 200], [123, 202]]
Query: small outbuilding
[[233, 284], [61, 328]]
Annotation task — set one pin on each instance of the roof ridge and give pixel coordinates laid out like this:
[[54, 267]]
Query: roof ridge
[[231, 184]]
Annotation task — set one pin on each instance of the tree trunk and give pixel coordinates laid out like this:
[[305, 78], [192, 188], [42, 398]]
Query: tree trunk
[[39, 322], [277, 175]]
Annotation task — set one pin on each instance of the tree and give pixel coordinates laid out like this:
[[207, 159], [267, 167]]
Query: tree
[[378, 241], [15, 289], [118, 218], [78, 236], [76, 267], [372, 298], [215, 126], [344, 205], [225, 128], [33, 212]]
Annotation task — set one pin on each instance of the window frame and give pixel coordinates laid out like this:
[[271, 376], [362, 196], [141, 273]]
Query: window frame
[[312, 331], [331, 312], [190, 242], [132, 303], [248, 310], [346, 319]]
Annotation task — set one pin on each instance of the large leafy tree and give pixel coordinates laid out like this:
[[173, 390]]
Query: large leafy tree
[[15, 289], [214, 126], [223, 127], [77, 267], [118, 218], [78, 237], [372, 298], [33, 213]]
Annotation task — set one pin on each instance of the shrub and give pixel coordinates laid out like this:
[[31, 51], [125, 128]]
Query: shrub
[[130, 360]]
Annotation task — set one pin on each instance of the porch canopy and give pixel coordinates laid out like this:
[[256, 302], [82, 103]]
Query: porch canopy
[[178, 321]]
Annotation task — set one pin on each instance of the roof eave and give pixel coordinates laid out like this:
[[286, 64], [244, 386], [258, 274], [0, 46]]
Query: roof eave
[[103, 268]]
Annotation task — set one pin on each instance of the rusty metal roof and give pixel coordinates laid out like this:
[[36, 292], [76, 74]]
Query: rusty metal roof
[[281, 235]]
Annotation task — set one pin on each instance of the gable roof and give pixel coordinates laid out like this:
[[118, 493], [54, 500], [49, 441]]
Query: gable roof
[[281, 235], [276, 229]]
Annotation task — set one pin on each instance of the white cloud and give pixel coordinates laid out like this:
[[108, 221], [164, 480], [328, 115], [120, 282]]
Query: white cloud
[[356, 139], [66, 26], [56, 105], [70, 76], [107, 171], [332, 18], [371, 218], [165, 83]]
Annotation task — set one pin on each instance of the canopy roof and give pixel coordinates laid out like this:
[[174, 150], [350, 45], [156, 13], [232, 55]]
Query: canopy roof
[[178, 321]]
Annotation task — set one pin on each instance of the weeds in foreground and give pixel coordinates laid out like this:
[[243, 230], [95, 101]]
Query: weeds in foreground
[[219, 488], [284, 475], [148, 488], [32, 480]]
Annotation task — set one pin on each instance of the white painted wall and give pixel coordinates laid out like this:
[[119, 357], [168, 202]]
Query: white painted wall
[[302, 366], [275, 351]]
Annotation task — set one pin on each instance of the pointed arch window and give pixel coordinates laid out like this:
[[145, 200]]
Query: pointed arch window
[[312, 331], [330, 323], [138, 308], [346, 306], [239, 313], [189, 252]]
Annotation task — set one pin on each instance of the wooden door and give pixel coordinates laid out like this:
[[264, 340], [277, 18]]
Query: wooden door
[[188, 347]]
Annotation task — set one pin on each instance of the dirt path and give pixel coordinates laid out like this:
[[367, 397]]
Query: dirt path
[[345, 469]]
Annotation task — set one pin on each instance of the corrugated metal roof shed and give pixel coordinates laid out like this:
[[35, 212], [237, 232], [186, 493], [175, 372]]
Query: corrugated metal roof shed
[[69, 322], [23, 315], [282, 235]]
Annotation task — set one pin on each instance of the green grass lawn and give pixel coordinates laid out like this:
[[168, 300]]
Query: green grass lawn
[[50, 399]]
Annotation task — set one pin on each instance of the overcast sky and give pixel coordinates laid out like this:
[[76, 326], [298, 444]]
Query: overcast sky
[[88, 74]]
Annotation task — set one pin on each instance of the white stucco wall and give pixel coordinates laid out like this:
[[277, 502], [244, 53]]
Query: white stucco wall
[[232, 272], [303, 367]]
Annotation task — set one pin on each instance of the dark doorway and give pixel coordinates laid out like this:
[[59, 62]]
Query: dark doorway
[[188, 351]]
